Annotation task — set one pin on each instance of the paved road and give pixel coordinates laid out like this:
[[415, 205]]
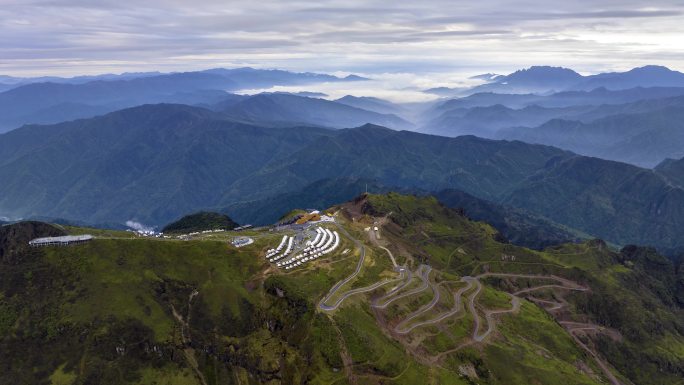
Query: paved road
[[470, 282], [322, 305], [407, 281], [571, 327], [473, 311], [565, 281], [423, 271], [530, 289], [491, 322], [554, 305], [362, 258], [457, 308], [374, 239], [604, 367], [489, 314], [435, 298], [360, 290], [394, 262]]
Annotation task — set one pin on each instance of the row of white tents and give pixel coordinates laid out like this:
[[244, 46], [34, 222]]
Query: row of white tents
[[325, 242], [274, 254]]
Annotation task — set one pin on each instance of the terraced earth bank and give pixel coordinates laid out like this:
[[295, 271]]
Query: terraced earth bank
[[430, 297]]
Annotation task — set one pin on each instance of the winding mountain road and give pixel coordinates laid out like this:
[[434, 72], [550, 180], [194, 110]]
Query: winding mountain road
[[423, 271], [374, 239], [322, 304], [352, 292], [454, 310]]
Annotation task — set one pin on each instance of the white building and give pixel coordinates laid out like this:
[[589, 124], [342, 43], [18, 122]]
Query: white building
[[61, 241]]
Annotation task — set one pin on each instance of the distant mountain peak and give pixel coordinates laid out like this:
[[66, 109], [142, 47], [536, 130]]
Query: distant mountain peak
[[355, 78], [654, 71], [352, 97], [544, 80], [535, 79], [651, 68], [542, 71], [646, 76], [371, 126], [486, 77]]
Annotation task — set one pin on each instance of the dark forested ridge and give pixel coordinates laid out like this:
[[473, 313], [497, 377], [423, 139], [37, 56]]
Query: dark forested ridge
[[157, 162], [516, 225], [200, 221], [672, 170]]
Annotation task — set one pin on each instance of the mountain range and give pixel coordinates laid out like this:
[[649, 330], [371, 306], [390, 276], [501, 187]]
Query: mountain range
[[638, 126], [156, 162], [515, 225], [641, 138], [247, 77], [287, 109], [612, 121], [40, 101], [372, 104], [546, 79]]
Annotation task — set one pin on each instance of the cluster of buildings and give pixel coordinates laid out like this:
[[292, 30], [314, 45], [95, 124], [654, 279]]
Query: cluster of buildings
[[206, 232], [148, 233], [194, 233], [311, 217], [323, 243]]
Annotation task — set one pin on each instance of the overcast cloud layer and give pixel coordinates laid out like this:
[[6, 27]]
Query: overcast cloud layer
[[70, 37]]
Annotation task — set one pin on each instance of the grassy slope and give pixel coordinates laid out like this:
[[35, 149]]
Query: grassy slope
[[452, 243], [638, 301], [68, 309], [119, 284]]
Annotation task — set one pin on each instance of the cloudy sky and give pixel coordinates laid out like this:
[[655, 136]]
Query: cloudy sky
[[428, 37]]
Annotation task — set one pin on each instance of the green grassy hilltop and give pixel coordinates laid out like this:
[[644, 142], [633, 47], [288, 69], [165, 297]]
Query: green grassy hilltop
[[201, 221], [129, 310]]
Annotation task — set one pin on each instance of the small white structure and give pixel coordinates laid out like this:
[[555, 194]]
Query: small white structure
[[242, 241], [61, 241]]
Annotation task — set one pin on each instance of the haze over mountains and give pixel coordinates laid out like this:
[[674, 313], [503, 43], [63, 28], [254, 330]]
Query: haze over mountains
[[545, 79], [631, 117], [287, 109], [153, 163], [208, 148], [51, 100]]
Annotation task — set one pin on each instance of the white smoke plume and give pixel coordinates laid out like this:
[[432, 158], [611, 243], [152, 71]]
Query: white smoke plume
[[138, 226]]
